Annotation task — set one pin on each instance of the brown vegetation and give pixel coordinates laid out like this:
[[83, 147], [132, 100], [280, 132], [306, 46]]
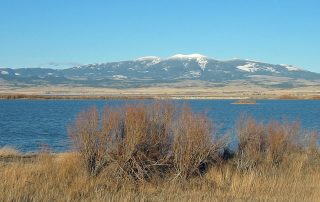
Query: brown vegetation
[[145, 141], [272, 143], [245, 101], [8, 151], [315, 97], [160, 152]]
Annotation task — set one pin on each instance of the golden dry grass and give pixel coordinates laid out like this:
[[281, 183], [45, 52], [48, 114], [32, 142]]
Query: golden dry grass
[[59, 178], [8, 151], [184, 90]]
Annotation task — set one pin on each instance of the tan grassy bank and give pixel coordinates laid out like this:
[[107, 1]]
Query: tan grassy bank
[[60, 178]]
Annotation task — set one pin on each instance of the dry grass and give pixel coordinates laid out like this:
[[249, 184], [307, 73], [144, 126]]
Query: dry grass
[[59, 178], [315, 97], [8, 151], [289, 97], [245, 102], [159, 152]]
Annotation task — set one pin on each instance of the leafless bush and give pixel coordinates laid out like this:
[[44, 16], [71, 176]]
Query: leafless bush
[[131, 136], [193, 143], [282, 139], [252, 142], [313, 142], [88, 139], [271, 143], [144, 141]]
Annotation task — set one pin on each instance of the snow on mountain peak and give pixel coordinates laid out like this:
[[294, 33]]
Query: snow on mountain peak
[[253, 67], [201, 59], [149, 60], [290, 67], [248, 67], [4, 72], [190, 56]]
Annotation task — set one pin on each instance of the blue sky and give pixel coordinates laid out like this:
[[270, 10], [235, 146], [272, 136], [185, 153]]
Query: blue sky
[[40, 32]]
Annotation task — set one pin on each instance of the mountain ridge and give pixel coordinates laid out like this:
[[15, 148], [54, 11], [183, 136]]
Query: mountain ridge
[[153, 70]]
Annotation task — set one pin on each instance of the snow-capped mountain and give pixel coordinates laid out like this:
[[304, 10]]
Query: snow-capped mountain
[[153, 70]]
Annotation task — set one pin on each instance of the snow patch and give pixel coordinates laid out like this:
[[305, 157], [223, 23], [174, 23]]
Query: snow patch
[[253, 67], [202, 63], [185, 64], [149, 60], [119, 76], [17, 74], [201, 59], [50, 74], [290, 67], [271, 69], [249, 67], [190, 56], [195, 73], [4, 72]]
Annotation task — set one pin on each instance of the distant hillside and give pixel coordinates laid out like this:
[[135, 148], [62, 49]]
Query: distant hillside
[[153, 71]]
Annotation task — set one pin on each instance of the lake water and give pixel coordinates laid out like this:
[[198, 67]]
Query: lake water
[[28, 124]]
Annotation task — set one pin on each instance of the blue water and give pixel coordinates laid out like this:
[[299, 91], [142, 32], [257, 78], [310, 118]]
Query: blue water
[[29, 124]]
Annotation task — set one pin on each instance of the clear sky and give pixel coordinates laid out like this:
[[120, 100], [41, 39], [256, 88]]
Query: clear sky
[[41, 32]]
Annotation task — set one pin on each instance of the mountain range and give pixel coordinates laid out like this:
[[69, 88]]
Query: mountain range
[[154, 71]]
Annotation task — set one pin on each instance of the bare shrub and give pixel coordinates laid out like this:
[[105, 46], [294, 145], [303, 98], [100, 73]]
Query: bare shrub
[[271, 143], [252, 142], [193, 143], [143, 148], [145, 141], [313, 142], [88, 139], [282, 139]]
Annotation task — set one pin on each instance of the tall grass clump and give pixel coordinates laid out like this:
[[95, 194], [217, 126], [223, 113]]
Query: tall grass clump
[[89, 140], [193, 145], [140, 145], [282, 140], [252, 142], [270, 143], [143, 141]]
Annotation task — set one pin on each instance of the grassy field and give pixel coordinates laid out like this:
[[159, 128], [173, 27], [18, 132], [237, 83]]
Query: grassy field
[[161, 152], [59, 177], [192, 91]]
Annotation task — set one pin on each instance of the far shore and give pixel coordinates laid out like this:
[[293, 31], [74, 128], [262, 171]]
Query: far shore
[[9, 96], [233, 91]]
